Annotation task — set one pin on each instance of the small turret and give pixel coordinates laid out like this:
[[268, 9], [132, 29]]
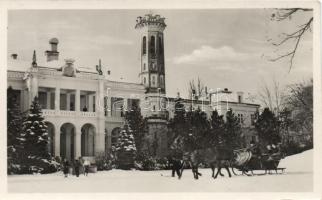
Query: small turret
[[34, 60], [52, 54]]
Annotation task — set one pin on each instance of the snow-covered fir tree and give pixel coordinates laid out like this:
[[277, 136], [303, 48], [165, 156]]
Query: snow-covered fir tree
[[14, 130], [125, 149], [137, 124], [37, 158]]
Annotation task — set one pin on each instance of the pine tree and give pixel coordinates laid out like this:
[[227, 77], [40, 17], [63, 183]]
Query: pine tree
[[14, 124], [232, 136], [267, 127], [197, 130], [137, 124], [37, 158], [217, 128], [177, 125], [125, 149]]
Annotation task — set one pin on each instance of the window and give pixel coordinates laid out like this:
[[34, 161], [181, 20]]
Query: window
[[152, 45], [144, 80], [144, 66], [153, 66], [93, 103], [42, 98], [160, 45], [153, 80], [144, 45], [252, 118], [239, 99], [52, 100]]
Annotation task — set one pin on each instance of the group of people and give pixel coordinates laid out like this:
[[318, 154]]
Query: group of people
[[77, 166]]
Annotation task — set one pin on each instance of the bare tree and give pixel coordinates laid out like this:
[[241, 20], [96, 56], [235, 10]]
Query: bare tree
[[295, 36], [272, 97], [196, 90], [300, 101]]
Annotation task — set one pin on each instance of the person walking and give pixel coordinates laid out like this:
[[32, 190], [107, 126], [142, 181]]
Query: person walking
[[66, 167], [77, 166], [86, 167]]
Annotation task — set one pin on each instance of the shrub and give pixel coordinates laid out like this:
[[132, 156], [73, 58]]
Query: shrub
[[104, 162], [145, 162]]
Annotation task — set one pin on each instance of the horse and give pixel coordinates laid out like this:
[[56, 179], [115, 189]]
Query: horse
[[214, 157]]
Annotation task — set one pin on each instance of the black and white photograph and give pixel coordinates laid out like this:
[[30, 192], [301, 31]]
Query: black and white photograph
[[161, 100]]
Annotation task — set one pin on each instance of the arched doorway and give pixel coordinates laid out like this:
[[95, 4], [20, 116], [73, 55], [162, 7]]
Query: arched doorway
[[67, 141], [51, 137], [88, 140]]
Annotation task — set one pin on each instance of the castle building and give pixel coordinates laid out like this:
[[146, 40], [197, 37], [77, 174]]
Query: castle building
[[84, 110]]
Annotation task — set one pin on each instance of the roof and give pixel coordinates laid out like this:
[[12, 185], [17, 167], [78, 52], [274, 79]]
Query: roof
[[53, 41]]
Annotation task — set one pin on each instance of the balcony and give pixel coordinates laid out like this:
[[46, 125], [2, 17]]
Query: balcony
[[114, 119], [65, 113]]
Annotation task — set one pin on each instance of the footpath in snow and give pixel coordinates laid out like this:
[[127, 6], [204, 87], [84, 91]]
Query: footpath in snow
[[297, 178]]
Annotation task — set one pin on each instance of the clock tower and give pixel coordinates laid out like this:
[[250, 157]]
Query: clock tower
[[152, 76]]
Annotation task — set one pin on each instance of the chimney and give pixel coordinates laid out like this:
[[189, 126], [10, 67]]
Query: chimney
[[240, 97], [14, 56], [53, 53]]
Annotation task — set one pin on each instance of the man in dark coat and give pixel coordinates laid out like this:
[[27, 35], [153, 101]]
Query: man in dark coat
[[66, 168], [77, 166]]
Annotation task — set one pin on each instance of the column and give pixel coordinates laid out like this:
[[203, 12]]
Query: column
[[125, 106], [57, 141], [109, 106], [90, 103], [57, 99], [77, 101], [78, 143], [48, 100], [99, 140], [68, 101]]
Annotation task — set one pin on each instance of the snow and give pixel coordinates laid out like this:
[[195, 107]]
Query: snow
[[297, 178]]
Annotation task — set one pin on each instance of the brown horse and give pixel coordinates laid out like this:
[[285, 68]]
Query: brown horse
[[214, 157]]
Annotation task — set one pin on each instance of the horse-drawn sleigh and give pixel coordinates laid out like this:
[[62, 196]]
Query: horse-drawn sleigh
[[245, 160]]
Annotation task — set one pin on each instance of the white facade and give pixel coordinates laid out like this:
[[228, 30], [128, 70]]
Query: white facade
[[84, 111]]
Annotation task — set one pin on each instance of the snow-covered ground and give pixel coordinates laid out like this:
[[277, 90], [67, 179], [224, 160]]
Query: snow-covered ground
[[298, 178]]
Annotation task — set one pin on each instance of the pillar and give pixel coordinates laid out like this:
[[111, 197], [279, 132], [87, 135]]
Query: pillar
[[57, 141], [109, 106], [125, 106], [90, 103], [77, 101], [78, 143], [57, 99], [68, 101]]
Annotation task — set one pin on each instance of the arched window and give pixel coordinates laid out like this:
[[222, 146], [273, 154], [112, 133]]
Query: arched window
[[160, 45], [161, 80], [144, 45], [152, 45]]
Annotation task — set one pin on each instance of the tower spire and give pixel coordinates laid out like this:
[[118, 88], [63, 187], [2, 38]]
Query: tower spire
[[34, 59]]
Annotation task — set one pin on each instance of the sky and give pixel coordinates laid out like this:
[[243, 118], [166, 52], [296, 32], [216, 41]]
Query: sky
[[225, 48]]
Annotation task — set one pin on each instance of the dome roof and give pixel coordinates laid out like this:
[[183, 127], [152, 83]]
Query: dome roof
[[53, 41]]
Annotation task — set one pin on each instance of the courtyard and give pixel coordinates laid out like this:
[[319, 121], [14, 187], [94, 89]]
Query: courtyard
[[297, 178]]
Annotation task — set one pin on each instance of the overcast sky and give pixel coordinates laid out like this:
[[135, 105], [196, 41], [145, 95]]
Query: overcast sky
[[225, 48]]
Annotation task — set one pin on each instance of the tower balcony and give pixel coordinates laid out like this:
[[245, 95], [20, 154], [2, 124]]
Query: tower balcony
[[150, 19]]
